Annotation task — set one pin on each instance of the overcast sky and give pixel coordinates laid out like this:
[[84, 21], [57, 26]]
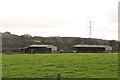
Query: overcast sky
[[66, 18]]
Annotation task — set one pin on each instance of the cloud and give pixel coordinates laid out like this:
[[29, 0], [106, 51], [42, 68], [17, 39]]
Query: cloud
[[113, 15]]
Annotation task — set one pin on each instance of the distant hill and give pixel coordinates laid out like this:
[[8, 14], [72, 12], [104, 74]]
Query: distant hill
[[12, 43]]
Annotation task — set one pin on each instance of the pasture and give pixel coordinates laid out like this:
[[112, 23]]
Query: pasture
[[70, 65]]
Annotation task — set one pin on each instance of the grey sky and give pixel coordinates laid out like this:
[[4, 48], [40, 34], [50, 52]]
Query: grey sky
[[60, 17]]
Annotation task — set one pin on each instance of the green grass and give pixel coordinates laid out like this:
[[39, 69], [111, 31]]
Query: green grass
[[88, 65]]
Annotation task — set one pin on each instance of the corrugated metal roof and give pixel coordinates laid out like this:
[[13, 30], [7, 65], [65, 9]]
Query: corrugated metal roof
[[40, 45], [90, 46]]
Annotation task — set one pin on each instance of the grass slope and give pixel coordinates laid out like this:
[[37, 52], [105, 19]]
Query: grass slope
[[88, 65]]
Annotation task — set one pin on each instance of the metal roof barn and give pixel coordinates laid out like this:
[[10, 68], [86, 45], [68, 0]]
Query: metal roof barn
[[92, 48], [40, 49]]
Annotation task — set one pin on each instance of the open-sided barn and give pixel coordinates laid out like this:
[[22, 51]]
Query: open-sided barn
[[39, 49], [92, 48], [23, 50]]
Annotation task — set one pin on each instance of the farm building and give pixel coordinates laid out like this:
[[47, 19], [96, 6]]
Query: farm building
[[39, 49], [23, 50], [92, 48]]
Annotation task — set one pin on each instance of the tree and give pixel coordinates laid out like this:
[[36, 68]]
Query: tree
[[7, 32]]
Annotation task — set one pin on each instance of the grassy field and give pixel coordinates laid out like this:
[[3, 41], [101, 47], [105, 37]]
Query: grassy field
[[71, 65]]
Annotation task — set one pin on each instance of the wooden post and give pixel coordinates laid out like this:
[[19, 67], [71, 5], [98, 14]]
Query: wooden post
[[59, 76]]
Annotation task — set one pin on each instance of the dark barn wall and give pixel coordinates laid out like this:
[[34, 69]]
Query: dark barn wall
[[24, 50], [39, 50], [21, 50], [89, 49]]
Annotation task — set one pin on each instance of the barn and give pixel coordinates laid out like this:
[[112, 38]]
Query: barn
[[39, 49], [23, 50], [92, 48]]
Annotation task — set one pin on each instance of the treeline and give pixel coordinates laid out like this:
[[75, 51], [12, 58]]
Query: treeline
[[11, 42]]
